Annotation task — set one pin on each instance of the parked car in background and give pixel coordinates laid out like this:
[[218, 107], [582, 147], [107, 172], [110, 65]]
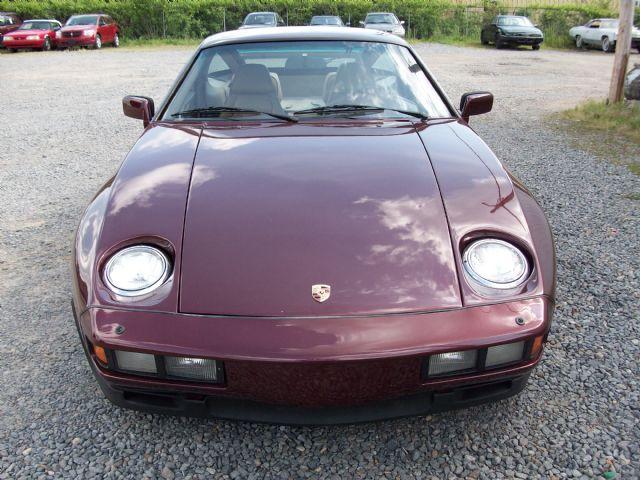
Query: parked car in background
[[327, 20], [601, 33], [387, 22], [311, 241], [39, 34], [261, 20], [9, 21], [511, 30], [94, 30]]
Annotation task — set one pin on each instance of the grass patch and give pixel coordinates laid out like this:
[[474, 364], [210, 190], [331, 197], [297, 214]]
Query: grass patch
[[160, 42], [453, 40], [615, 129], [619, 119]]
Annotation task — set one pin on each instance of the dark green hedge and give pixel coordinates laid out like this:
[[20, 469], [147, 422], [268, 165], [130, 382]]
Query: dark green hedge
[[198, 18]]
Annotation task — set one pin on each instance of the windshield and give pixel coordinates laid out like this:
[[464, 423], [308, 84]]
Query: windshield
[[260, 19], [380, 18], [515, 22], [35, 26], [82, 20], [326, 21], [285, 78]]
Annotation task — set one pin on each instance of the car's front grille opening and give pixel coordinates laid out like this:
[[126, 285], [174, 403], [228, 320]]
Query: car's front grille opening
[[487, 390], [149, 399]]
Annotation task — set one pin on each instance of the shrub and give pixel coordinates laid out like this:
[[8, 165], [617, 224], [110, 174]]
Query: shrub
[[198, 18]]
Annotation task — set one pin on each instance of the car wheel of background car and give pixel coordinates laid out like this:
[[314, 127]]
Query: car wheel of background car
[[116, 41], [46, 46], [11, 50], [535, 47], [98, 43], [579, 42], [606, 45], [499, 43]]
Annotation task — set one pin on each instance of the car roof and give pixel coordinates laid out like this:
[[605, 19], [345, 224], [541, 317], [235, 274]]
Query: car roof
[[512, 16], [291, 34], [261, 13], [326, 16], [380, 13], [41, 20]]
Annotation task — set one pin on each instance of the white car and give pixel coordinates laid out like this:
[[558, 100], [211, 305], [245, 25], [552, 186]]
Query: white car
[[601, 33], [384, 21]]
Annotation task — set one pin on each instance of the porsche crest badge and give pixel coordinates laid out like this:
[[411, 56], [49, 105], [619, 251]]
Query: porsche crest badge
[[321, 293]]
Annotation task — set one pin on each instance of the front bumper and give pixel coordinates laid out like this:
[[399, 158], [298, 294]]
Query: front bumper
[[313, 370], [67, 42], [18, 44], [513, 40]]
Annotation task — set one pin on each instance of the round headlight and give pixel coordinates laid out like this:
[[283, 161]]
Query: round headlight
[[496, 264], [136, 270]]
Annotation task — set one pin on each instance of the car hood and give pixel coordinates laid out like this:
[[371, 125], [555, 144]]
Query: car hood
[[76, 28], [383, 26], [256, 214], [260, 25], [269, 216], [17, 33], [520, 29]]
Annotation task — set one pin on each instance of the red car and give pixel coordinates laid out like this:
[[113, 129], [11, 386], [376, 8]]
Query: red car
[[93, 30], [9, 21], [307, 231], [38, 34]]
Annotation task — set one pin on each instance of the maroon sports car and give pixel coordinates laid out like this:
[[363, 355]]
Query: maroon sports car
[[308, 231]]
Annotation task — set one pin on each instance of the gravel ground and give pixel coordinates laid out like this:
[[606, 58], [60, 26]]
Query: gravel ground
[[577, 419]]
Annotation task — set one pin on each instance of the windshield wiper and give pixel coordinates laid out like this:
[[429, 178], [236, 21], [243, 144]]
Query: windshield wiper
[[216, 111], [358, 108]]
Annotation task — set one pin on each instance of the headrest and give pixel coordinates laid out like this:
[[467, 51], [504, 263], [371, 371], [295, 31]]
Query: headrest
[[251, 79]]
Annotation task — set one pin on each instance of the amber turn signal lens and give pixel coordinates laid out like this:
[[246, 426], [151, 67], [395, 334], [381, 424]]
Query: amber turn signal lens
[[536, 347], [101, 354]]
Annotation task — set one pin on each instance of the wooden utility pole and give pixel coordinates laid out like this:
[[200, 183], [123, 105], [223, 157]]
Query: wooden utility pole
[[623, 50]]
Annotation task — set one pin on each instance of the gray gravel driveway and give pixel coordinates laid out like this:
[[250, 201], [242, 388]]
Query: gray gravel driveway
[[62, 134]]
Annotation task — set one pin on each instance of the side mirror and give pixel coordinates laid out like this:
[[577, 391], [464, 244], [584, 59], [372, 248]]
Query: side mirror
[[401, 22], [138, 107], [361, 23], [475, 103]]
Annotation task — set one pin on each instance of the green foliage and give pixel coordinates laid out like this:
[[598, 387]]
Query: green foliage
[[197, 18]]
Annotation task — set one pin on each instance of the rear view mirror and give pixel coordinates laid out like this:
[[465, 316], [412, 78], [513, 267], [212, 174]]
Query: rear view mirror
[[475, 103], [138, 107], [361, 23]]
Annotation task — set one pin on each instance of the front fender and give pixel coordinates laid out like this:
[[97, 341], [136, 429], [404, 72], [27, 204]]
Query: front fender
[[85, 246]]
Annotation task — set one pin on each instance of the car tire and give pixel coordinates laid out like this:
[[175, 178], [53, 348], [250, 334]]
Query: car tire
[[97, 44], [116, 41], [535, 47], [607, 46], [499, 43], [11, 50], [579, 42], [46, 46]]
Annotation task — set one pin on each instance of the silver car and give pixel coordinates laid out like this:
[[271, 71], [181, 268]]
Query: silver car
[[261, 20], [387, 22], [601, 33]]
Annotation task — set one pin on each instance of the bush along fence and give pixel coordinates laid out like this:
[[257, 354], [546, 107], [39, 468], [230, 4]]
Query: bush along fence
[[424, 19]]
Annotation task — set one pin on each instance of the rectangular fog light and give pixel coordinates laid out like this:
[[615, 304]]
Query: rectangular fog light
[[202, 369], [503, 354], [136, 361], [450, 362]]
